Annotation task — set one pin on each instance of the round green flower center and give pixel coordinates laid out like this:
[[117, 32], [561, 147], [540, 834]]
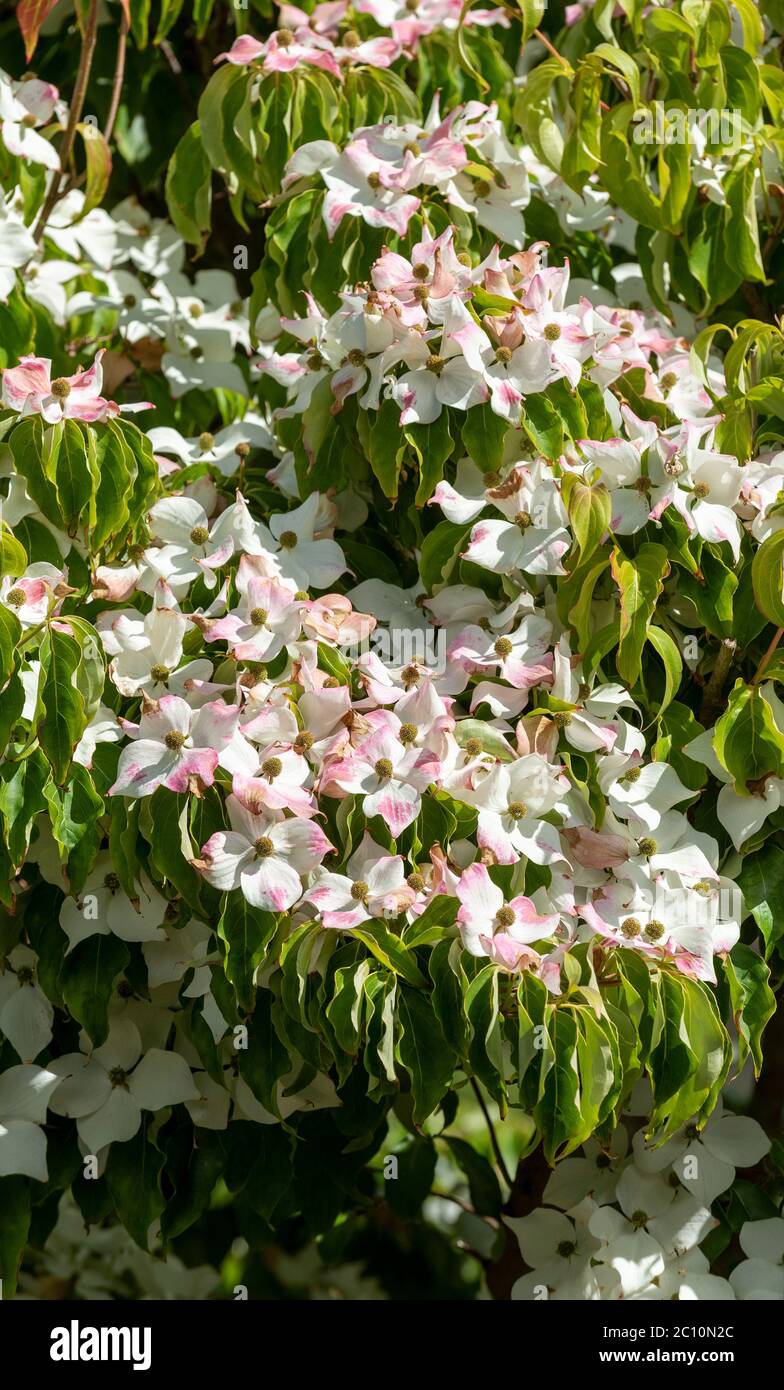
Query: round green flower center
[[435, 364], [504, 917], [633, 775], [646, 846], [200, 535], [654, 931], [408, 733], [174, 740], [206, 442], [420, 272], [482, 188], [517, 810], [562, 719], [16, 597], [271, 768], [552, 332], [285, 38], [374, 179], [503, 354], [566, 1248], [523, 520], [359, 891], [383, 769], [356, 358], [258, 616], [630, 928], [159, 673], [503, 647], [263, 847], [416, 882], [61, 388], [303, 742], [288, 540], [472, 748]]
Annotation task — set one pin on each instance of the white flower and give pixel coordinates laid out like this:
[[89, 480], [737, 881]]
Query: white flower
[[24, 1096], [25, 1012], [106, 1091]]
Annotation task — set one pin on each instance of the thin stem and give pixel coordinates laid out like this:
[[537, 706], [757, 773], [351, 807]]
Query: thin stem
[[537, 34], [119, 74], [712, 695], [551, 47], [774, 642], [74, 116], [499, 1158]]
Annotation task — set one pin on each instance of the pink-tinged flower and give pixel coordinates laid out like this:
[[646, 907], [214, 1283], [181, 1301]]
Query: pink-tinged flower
[[23, 106], [358, 185], [325, 18], [28, 388], [173, 743], [388, 775], [27, 598], [333, 619], [483, 913], [374, 885], [378, 52], [438, 376], [595, 849], [511, 800], [432, 276], [264, 858], [266, 618], [521, 657], [283, 51], [190, 549], [274, 782]]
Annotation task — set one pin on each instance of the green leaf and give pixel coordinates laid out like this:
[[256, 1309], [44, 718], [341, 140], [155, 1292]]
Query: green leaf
[[667, 649], [590, 511], [424, 1053], [483, 1185], [767, 573], [62, 715], [87, 981], [98, 165], [10, 632], [14, 1229], [640, 580], [433, 445], [416, 1167], [761, 881], [486, 1052], [247, 932], [752, 1000], [266, 1060], [390, 951], [745, 738], [133, 1173], [484, 433], [189, 187]]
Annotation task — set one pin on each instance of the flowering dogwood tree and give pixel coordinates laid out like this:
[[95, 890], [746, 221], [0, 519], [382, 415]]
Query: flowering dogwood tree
[[392, 778]]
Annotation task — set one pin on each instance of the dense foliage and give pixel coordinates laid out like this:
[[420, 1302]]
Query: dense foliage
[[392, 785]]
